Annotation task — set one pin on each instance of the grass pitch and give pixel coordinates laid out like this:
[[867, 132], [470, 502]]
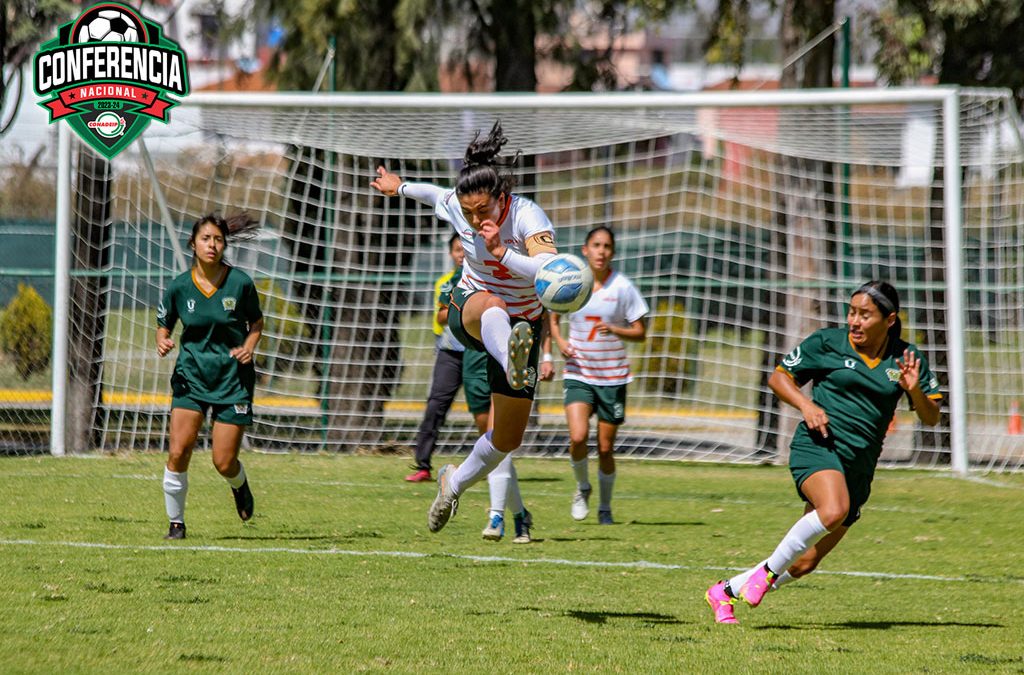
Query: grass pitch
[[337, 572]]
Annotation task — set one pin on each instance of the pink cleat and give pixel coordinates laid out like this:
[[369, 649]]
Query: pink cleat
[[759, 583], [721, 603]]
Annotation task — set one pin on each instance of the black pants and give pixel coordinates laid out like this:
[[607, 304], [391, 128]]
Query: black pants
[[443, 389]]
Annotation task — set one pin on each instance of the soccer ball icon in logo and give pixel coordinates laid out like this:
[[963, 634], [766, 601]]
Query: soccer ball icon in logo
[[564, 283], [110, 25]]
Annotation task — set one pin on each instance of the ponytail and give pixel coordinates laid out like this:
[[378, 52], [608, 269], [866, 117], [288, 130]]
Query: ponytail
[[484, 170]]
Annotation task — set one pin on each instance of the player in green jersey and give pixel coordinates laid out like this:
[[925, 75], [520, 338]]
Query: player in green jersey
[[859, 374], [219, 309]]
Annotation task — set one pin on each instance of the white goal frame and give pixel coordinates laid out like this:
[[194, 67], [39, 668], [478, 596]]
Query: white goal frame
[[946, 97]]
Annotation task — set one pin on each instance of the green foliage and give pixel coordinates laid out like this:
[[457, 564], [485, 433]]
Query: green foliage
[[671, 367], [25, 333], [405, 38], [967, 42], [905, 49], [291, 334]]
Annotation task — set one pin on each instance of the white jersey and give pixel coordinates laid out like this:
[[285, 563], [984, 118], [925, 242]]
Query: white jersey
[[602, 357], [481, 271]]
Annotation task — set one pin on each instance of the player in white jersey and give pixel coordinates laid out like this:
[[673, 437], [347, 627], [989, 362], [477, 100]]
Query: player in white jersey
[[506, 239], [597, 369]]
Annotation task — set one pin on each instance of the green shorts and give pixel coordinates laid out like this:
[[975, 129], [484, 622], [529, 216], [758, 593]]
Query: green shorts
[[496, 378], [609, 402], [474, 381], [808, 456], [239, 414]]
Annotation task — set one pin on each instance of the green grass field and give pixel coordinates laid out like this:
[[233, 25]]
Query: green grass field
[[337, 573]]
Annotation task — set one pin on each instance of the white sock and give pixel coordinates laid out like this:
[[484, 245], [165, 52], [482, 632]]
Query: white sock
[[237, 481], [515, 498], [782, 580], [805, 533], [480, 462], [498, 482], [579, 469], [495, 330], [175, 489], [605, 482], [736, 583]]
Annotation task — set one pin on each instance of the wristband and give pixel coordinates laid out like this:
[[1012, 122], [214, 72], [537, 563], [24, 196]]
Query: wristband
[[547, 358]]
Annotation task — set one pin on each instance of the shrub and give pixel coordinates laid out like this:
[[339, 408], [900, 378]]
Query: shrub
[[26, 331]]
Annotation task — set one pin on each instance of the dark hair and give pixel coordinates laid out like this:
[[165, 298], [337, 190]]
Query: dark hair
[[452, 239], [239, 227], [601, 228], [483, 168], [886, 299]]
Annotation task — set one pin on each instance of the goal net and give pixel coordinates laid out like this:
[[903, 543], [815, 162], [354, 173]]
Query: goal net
[[745, 220]]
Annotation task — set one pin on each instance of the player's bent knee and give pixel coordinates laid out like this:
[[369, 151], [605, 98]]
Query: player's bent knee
[[832, 516]]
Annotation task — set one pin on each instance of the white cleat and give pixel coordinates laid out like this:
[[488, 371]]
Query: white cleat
[[446, 503], [520, 341], [580, 504]]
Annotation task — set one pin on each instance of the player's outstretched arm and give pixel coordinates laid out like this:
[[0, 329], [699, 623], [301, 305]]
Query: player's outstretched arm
[[391, 184], [386, 183]]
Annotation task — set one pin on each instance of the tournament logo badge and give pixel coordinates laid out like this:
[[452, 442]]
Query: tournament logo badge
[[109, 73]]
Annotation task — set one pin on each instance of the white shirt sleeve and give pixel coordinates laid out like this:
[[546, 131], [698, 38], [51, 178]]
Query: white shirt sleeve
[[425, 193], [636, 307]]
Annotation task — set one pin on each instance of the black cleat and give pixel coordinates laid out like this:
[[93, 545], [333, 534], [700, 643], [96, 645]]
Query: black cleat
[[243, 501], [176, 531]]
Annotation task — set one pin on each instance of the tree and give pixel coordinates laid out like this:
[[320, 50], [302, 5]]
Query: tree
[[23, 24], [403, 39], [791, 251], [975, 44]]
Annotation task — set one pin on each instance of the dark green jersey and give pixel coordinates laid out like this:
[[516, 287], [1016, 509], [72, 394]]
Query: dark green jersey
[[859, 396], [211, 327]]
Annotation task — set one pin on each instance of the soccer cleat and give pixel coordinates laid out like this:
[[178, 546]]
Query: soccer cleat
[[605, 518], [176, 531], [721, 603], [446, 503], [419, 476], [523, 522], [495, 529], [243, 501], [759, 583], [520, 341], [580, 506]]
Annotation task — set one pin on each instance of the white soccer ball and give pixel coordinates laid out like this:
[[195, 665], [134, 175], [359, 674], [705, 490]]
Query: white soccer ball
[[564, 283], [111, 25]]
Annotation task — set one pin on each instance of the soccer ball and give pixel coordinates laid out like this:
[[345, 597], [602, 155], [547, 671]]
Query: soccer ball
[[109, 25], [564, 283]]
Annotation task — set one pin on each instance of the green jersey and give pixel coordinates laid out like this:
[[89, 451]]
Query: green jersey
[[859, 395], [212, 325]]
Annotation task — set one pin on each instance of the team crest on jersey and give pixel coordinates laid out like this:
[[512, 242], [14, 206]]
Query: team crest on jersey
[[793, 358], [190, 305], [850, 363], [893, 374], [228, 304]]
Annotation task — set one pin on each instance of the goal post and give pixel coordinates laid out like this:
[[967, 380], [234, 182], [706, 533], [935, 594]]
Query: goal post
[[733, 213]]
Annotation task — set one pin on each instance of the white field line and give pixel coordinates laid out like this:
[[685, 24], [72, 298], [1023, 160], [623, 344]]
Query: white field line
[[532, 493], [636, 564]]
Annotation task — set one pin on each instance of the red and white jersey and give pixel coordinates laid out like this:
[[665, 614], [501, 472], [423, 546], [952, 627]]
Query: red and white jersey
[[481, 271], [602, 356]]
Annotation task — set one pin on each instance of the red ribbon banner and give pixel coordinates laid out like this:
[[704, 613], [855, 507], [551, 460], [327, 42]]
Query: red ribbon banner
[[155, 107]]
